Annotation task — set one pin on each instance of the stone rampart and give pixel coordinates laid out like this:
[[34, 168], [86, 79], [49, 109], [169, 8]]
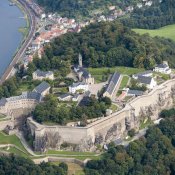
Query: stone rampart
[[108, 128], [5, 123]]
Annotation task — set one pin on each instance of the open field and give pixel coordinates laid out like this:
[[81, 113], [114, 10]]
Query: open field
[[70, 153], [72, 168], [103, 73], [14, 151], [166, 32], [11, 139]]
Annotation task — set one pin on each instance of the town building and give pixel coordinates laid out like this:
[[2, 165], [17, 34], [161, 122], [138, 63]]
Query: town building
[[149, 82], [40, 75], [148, 73], [134, 93], [163, 68], [43, 88], [65, 97], [76, 97], [113, 84], [148, 3], [80, 87]]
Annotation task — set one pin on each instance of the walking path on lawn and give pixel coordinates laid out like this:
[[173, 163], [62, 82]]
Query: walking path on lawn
[[25, 144]]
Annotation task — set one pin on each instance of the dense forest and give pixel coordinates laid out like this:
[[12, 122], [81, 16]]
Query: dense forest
[[12, 165], [153, 154], [107, 44], [82, 8], [52, 111], [161, 13]]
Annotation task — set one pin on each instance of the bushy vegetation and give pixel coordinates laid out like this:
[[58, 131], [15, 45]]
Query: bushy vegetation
[[152, 154], [109, 44], [158, 15], [51, 111], [12, 165]]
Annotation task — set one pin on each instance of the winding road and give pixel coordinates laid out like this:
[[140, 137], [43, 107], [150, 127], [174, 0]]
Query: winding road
[[25, 44]]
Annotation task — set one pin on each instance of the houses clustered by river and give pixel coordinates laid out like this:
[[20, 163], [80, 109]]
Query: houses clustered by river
[[51, 26]]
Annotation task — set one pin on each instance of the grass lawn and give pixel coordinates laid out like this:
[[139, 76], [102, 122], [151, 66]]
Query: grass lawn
[[99, 73], [120, 69], [113, 107], [73, 168], [145, 124], [70, 153], [12, 139], [124, 82], [76, 155], [24, 30], [60, 90], [24, 88], [3, 117], [167, 32], [15, 151]]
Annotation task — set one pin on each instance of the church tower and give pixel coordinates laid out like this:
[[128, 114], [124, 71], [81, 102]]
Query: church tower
[[80, 60]]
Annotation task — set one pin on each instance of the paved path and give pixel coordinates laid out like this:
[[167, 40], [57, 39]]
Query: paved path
[[25, 144]]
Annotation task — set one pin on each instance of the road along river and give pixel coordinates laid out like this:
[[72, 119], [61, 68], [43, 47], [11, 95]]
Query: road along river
[[10, 37], [23, 46]]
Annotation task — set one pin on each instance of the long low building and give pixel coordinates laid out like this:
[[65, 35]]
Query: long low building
[[112, 85]]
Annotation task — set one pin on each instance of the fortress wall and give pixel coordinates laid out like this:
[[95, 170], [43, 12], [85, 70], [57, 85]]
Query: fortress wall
[[3, 124], [75, 135], [69, 134], [114, 126], [103, 125], [153, 97]]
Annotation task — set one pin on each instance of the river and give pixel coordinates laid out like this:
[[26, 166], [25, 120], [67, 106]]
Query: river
[[10, 37]]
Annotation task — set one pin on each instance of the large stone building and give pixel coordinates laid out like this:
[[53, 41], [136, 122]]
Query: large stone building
[[25, 100], [108, 128], [80, 87]]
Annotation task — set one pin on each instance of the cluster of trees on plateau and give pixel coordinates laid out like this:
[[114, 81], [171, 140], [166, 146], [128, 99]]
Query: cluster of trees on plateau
[[152, 154], [49, 62], [9, 87], [161, 13], [52, 111], [81, 8], [12, 165], [110, 44]]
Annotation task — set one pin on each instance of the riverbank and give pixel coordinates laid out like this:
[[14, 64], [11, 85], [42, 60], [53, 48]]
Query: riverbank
[[25, 43], [24, 30]]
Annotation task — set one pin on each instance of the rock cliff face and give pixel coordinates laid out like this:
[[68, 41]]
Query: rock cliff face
[[106, 129]]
